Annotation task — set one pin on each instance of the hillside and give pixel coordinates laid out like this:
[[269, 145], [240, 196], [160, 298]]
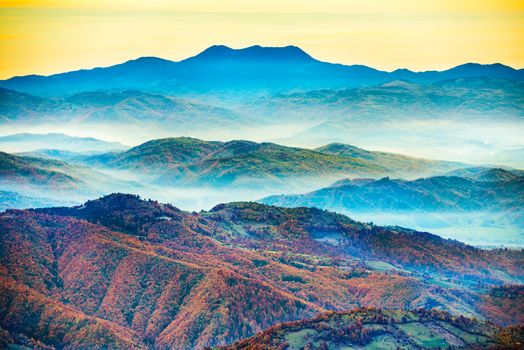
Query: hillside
[[459, 100], [493, 189], [484, 212], [36, 171], [30, 181], [192, 161], [253, 69], [407, 166], [127, 107], [31, 142], [123, 272], [378, 329]]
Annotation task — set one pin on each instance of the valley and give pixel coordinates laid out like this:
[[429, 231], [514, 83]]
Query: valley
[[260, 198]]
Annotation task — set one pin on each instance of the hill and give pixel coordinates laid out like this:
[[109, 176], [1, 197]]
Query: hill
[[36, 171], [493, 189], [253, 69], [488, 174], [31, 142], [407, 166], [124, 272], [193, 161], [486, 211], [128, 107], [33, 181], [378, 329], [461, 100]]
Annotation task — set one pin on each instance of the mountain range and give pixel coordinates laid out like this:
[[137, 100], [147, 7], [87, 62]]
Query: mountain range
[[190, 161], [285, 96], [492, 189], [460, 100], [213, 163], [253, 69], [305, 225], [121, 272], [479, 205], [25, 142]]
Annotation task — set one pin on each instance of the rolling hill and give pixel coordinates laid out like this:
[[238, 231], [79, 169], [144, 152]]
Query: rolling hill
[[128, 107], [31, 142], [191, 161], [480, 206], [493, 189], [378, 329], [37, 171], [124, 272], [468, 99], [30, 181], [404, 165]]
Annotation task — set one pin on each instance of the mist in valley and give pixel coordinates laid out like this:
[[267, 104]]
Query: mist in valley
[[464, 124], [495, 143]]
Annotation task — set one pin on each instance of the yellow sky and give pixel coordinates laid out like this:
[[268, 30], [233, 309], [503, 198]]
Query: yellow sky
[[51, 36]]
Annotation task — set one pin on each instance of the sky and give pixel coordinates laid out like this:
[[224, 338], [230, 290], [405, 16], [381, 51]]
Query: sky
[[52, 36]]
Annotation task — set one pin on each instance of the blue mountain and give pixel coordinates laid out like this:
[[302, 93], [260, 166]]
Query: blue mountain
[[254, 69]]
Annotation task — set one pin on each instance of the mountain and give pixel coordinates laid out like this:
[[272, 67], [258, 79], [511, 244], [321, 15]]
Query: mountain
[[116, 107], [439, 193], [378, 329], [36, 181], [488, 174], [459, 100], [36, 171], [121, 272], [483, 212], [192, 161], [30, 142], [253, 69], [404, 165], [450, 99]]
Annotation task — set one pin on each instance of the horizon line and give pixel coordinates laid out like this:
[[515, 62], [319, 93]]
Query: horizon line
[[252, 46]]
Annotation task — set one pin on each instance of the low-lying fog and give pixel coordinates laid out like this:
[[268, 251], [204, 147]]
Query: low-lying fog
[[495, 142], [482, 229], [486, 142]]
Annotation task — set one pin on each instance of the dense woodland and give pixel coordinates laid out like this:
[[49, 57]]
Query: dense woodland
[[121, 271]]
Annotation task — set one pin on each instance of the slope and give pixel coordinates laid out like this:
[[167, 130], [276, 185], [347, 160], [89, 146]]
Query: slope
[[377, 329], [145, 274]]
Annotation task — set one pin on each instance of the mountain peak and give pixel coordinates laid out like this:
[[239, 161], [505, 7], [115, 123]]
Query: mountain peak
[[255, 53]]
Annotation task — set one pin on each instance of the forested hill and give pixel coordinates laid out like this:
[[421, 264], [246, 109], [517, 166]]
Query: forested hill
[[121, 272], [379, 329]]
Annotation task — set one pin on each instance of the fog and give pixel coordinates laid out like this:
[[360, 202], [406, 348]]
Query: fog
[[468, 142], [480, 228], [473, 142]]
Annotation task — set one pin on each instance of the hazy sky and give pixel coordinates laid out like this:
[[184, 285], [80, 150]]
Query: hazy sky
[[51, 36]]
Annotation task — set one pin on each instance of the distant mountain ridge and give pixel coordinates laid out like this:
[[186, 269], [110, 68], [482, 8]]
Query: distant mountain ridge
[[493, 189], [255, 69], [24, 142]]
